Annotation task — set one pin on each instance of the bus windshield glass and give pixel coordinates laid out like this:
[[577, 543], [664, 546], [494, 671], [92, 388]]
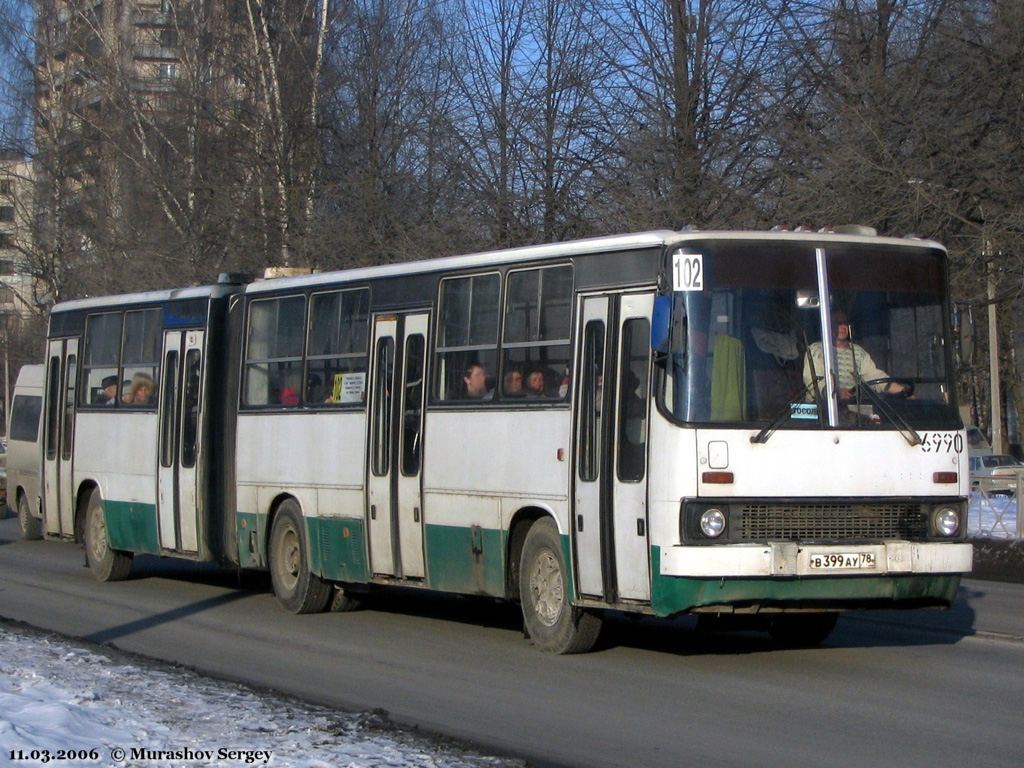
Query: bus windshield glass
[[747, 343]]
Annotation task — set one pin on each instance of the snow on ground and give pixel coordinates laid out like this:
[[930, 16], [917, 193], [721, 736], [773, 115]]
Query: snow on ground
[[992, 516], [117, 710]]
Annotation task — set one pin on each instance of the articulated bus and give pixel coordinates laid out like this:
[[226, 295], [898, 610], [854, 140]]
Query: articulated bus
[[760, 426]]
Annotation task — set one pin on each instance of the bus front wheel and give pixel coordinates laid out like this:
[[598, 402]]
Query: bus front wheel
[[105, 563], [297, 588], [31, 527], [552, 622]]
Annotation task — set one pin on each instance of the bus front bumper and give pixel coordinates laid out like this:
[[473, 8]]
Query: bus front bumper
[[784, 559]]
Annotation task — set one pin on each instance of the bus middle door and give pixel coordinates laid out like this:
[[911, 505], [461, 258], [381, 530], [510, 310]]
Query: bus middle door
[[178, 498], [394, 476]]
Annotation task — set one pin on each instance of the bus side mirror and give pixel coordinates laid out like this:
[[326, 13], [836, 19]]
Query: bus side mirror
[[661, 323], [963, 328]]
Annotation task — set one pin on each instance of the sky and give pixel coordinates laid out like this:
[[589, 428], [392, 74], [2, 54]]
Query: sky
[[56, 694]]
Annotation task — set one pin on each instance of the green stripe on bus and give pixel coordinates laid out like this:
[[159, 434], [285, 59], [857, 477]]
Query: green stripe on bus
[[673, 594], [338, 548], [467, 560], [248, 533], [132, 526]]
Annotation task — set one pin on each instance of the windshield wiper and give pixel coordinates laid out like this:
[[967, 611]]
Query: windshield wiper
[[784, 415], [909, 433]]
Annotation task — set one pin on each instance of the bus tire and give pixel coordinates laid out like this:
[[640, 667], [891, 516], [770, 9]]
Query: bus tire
[[297, 588], [106, 564], [802, 630], [31, 527], [551, 621]]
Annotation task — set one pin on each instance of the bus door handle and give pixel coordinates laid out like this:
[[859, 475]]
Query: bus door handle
[[373, 511]]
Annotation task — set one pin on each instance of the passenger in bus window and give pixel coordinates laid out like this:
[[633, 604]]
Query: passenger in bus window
[[536, 385], [141, 392], [475, 382], [108, 394], [513, 383]]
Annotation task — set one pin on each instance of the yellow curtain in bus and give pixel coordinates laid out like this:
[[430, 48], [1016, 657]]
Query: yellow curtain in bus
[[728, 380]]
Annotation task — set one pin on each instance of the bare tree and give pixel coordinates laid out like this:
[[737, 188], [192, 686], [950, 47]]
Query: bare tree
[[391, 189], [690, 105], [493, 66]]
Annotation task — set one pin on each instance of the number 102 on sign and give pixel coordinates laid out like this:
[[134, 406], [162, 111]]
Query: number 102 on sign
[[687, 271]]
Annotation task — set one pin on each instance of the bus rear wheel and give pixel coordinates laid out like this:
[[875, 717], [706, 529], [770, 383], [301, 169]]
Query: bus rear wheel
[[552, 622], [297, 588], [31, 527], [105, 563]]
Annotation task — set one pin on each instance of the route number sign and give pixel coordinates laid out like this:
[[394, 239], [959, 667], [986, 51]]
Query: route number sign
[[687, 271]]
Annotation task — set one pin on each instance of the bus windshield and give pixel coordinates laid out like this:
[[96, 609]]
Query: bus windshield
[[748, 345]]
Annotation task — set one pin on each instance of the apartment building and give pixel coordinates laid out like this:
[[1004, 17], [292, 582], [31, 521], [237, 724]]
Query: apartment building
[[18, 294]]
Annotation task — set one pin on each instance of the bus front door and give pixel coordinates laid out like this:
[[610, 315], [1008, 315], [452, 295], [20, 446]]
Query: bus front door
[[610, 514], [59, 437], [178, 476], [394, 477]]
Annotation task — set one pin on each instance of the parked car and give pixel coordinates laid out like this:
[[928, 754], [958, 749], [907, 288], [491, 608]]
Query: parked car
[[995, 473]]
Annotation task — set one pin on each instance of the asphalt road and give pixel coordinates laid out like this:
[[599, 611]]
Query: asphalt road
[[922, 689]]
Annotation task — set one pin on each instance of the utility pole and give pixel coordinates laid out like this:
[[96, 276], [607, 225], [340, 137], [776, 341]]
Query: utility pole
[[993, 362], [5, 319]]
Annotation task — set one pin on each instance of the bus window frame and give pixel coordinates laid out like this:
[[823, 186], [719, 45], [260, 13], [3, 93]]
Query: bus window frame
[[308, 357], [247, 362], [551, 393], [438, 352]]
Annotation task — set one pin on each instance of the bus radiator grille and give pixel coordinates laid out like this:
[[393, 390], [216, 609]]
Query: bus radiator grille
[[834, 522]]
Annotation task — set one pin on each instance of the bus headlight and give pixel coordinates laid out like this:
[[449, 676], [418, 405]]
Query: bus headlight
[[946, 521], [712, 523]]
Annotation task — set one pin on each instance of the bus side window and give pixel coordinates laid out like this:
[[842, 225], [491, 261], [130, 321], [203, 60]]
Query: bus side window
[[273, 353], [140, 356], [190, 404], [535, 339], [412, 404], [53, 408], [633, 378], [336, 356], [468, 333], [592, 371], [101, 358], [69, 407]]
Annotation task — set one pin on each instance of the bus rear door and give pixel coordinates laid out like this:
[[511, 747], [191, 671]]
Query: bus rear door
[[394, 476], [179, 500], [59, 437]]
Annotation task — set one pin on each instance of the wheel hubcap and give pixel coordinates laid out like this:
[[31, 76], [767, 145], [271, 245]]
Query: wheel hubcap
[[546, 588], [289, 557], [97, 535]]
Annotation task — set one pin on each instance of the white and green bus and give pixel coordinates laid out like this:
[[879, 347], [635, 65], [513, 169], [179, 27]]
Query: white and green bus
[[758, 425]]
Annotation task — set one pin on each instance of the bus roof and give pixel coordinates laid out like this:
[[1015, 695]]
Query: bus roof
[[569, 248], [146, 297], [636, 240]]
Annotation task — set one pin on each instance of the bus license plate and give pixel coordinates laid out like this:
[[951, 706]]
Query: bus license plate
[[830, 561]]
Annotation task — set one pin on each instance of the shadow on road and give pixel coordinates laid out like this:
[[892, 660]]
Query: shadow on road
[[684, 636], [131, 627]]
